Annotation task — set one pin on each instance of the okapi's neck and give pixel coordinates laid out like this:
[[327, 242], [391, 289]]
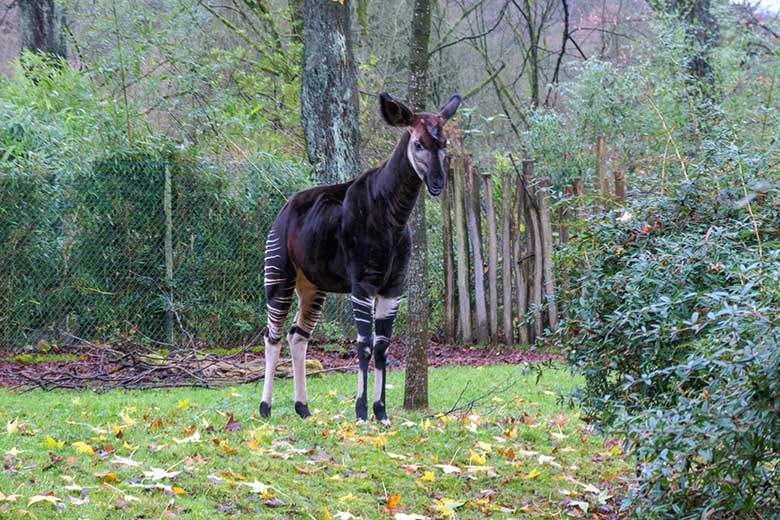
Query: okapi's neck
[[398, 184]]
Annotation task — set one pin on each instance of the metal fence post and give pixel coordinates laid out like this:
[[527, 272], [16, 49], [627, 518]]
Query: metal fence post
[[167, 196]]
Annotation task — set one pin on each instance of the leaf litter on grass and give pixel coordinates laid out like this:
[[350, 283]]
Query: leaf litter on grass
[[147, 454]]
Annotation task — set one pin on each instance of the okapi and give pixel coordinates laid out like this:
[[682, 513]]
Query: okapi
[[352, 238]]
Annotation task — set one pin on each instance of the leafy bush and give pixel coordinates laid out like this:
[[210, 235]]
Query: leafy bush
[[675, 329]]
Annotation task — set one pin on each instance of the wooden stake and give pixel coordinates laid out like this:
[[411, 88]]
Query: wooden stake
[[564, 214], [534, 246], [545, 227], [476, 255], [492, 257], [464, 298], [506, 256], [449, 264], [602, 187]]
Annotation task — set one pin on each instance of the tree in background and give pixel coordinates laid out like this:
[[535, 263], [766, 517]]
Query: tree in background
[[329, 94], [43, 27], [418, 333]]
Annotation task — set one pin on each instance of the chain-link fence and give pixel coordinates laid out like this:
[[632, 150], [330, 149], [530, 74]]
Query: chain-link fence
[[141, 248]]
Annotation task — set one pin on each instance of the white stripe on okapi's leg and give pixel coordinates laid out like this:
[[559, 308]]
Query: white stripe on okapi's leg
[[387, 307], [378, 381]]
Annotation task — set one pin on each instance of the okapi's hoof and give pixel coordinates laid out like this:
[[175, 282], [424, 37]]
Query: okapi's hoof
[[380, 413], [265, 409], [361, 409], [302, 409]]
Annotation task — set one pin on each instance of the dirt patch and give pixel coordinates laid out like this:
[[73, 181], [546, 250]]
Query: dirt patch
[[132, 366]]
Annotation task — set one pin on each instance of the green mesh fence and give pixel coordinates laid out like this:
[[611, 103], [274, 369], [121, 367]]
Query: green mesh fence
[[139, 248]]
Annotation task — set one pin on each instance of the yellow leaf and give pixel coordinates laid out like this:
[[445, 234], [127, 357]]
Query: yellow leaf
[[485, 446], [83, 447], [533, 474], [179, 491], [477, 459], [107, 477], [347, 498], [183, 404], [428, 476], [393, 500], [326, 514], [129, 421], [12, 427], [52, 443], [42, 498]]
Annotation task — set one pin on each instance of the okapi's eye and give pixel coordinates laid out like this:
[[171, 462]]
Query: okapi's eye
[[418, 146]]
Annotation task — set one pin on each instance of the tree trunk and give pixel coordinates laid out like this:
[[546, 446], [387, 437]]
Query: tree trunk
[[506, 256], [578, 188], [329, 93], [449, 264], [464, 297], [416, 385], [43, 27], [492, 258], [545, 228], [476, 255]]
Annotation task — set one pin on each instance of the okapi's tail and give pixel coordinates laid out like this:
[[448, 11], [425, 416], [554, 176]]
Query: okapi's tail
[[279, 282]]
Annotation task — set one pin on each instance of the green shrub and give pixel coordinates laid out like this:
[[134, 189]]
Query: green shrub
[[675, 329]]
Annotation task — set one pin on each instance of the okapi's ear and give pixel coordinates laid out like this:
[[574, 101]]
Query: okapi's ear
[[450, 107], [394, 112]]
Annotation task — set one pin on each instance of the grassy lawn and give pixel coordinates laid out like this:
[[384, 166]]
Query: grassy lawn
[[178, 453]]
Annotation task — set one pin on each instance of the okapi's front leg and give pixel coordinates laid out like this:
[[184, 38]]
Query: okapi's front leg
[[386, 309], [363, 309]]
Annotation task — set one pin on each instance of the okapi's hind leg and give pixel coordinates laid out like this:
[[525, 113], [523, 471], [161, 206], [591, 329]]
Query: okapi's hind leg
[[279, 285], [310, 302]]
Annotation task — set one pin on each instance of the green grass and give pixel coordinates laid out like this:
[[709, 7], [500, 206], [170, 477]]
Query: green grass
[[540, 458]]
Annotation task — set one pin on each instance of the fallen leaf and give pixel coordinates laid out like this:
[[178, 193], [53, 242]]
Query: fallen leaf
[[42, 498], [447, 506], [178, 491], [343, 515], [12, 427], [195, 437], [124, 461], [83, 447], [428, 476], [349, 497], [107, 477], [477, 459], [159, 474], [232, 425], [448, 468], [532, 474], [404, 516], [52, 443], [393, 500], [183, 404], [257, 487], [326, 514]]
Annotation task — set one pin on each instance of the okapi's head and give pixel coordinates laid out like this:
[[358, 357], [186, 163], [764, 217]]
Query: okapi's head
[[427, 143]]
